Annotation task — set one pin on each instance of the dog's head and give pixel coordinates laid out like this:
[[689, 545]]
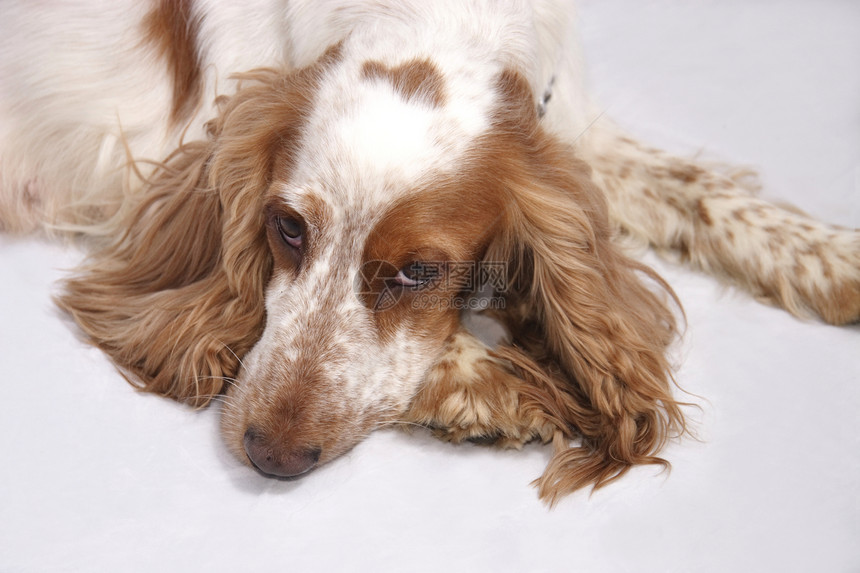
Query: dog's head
[[314, 255]]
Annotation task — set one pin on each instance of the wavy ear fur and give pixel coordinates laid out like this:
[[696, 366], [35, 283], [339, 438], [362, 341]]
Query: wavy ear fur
[[178, 299], [582, 317], [587, 356]]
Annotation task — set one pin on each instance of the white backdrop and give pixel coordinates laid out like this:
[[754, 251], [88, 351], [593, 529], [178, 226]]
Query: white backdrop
[[95, 477]]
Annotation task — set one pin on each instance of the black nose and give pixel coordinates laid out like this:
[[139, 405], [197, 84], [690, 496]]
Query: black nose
[[278, 460]]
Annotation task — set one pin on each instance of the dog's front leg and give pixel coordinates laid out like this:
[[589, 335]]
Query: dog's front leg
[[472, 393]]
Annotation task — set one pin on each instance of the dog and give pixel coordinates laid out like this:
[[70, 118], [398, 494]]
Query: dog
[[293, 206]]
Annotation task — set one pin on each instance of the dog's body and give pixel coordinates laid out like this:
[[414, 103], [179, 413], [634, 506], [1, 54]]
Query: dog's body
[[362, 141]]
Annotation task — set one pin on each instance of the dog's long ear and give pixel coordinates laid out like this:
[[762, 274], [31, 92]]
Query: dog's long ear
[[581, 309], [178, 299]]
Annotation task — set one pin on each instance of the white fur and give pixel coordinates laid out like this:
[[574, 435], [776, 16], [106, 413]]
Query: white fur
[[78, 83]]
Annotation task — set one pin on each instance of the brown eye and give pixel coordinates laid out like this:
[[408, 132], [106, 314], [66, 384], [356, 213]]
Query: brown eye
[[291, 231]]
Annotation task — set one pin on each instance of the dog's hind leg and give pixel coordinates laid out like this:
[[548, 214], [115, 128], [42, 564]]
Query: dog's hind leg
[[712, 219]]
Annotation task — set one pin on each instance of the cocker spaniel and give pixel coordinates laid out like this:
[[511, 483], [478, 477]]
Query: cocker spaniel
[[294, 205]]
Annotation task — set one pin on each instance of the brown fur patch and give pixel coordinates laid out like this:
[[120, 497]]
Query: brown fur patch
[[413, 80], [686, 173], [433, 225], [704, 215], [173, 29], [842, 304]]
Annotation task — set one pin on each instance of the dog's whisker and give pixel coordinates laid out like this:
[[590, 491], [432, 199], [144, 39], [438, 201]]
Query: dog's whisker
[[236, 356], [398, 424], [230, 381]]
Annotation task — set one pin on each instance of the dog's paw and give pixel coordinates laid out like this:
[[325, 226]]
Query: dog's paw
[[470, 395], [826, 275]]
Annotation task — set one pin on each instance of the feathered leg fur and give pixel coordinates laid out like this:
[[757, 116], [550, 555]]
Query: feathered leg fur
[[473, 393], [716, 223]]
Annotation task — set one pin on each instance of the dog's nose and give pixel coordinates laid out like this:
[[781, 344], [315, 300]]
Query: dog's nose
[[278, 460]]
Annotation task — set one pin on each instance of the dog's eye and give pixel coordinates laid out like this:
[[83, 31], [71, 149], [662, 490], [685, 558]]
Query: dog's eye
[[418, 274], [291, 231]]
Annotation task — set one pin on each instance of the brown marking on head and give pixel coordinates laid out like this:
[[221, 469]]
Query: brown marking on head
[[433, 226], [172, 29], [413, 80], [516, 115]]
